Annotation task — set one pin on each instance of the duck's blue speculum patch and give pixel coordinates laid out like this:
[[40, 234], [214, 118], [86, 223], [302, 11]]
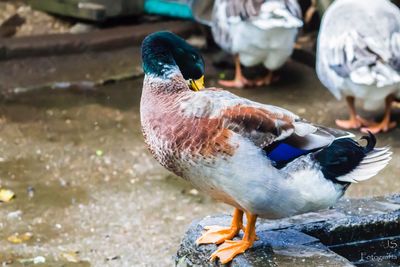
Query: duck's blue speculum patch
[[283, 153], [164, 53]]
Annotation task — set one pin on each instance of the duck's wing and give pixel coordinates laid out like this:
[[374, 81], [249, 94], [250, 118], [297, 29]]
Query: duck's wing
[[365, 50], [278, 14], [364, 59], [264, 14], [274, 129]]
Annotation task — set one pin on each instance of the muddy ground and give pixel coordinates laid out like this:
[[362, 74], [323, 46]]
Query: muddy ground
[[85, 183]]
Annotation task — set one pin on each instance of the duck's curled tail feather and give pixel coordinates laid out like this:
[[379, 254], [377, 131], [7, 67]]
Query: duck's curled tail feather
[[346, 161], [371, 142]]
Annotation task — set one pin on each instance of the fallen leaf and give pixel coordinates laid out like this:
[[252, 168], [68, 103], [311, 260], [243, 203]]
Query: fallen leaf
[[16, 238], [6, 195], [71, 256]]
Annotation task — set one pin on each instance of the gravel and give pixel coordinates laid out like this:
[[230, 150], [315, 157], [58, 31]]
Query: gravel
[[36, 22]]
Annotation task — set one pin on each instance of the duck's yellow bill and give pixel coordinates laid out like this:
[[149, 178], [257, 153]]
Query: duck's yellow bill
[[197, 85]]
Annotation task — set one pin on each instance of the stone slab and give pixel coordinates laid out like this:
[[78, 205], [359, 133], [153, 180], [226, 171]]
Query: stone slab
[[352, 228]]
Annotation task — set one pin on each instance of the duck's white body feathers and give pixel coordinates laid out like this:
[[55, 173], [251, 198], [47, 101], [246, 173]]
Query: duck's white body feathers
[[359, 50], [262, 31]]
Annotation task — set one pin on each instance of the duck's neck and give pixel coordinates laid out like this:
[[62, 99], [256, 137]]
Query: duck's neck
[[160, 87], [160, 100]]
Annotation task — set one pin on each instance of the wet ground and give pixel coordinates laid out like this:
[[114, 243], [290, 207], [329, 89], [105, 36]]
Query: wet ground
[[85, 183]]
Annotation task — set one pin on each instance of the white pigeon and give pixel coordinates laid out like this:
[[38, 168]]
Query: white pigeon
[[358, 57]]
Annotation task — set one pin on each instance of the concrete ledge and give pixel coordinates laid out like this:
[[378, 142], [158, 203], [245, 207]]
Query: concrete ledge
[[357, 232]]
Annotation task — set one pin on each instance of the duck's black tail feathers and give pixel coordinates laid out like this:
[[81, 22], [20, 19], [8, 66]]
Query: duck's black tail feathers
[[346, 161]]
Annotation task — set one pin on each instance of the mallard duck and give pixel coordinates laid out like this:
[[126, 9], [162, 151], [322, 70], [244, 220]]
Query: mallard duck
[[263, 160], [358, 57], [255, 32]]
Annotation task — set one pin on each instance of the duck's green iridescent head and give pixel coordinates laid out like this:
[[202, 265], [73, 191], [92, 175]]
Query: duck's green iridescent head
[[164, 53]]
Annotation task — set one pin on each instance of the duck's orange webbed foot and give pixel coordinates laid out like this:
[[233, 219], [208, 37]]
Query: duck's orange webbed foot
[[379, 127], [218, 234], [348, 124], [353, 123], [239, 82], [386, 123], [230, 248]]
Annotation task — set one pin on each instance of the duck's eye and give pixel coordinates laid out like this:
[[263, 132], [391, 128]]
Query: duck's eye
[[194, 57]]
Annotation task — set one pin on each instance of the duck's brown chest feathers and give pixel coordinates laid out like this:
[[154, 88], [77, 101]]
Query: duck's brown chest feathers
[[176, 139]]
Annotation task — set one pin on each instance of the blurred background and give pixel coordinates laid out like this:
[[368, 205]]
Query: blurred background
[[79, 186]]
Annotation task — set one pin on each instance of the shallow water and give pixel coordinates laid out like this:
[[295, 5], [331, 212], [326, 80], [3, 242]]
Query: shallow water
[[85, 182]]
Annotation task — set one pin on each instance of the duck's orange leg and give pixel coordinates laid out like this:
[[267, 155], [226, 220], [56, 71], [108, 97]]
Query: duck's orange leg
[[310, 12], [355, 121], [230, 248], [239, 81], [385, 125], [218, 234]]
